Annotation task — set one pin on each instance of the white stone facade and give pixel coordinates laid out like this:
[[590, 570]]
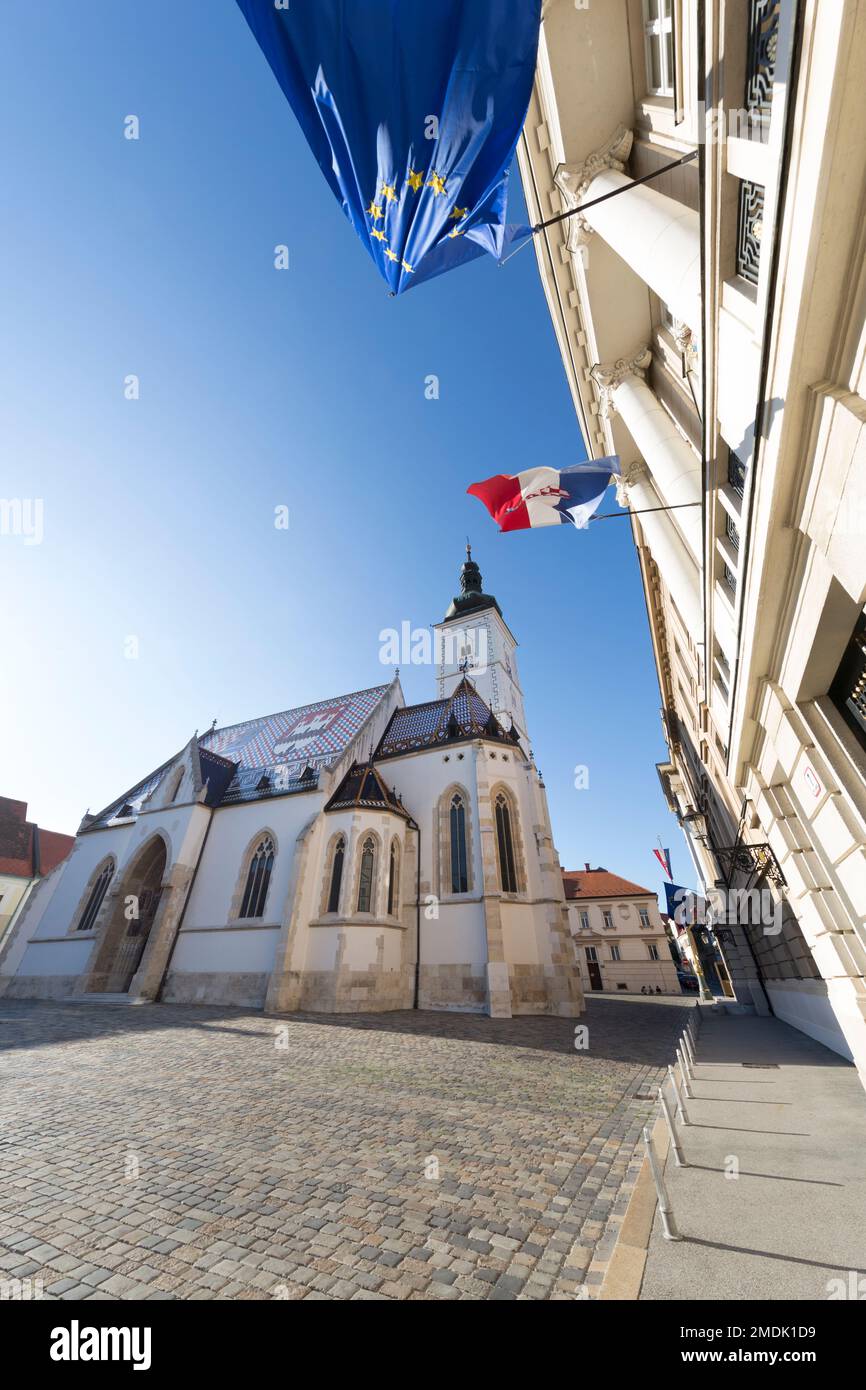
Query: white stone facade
[[711, 325]]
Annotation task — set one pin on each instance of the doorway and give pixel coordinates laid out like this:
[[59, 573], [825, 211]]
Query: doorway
[[593, 968], [131, 922]]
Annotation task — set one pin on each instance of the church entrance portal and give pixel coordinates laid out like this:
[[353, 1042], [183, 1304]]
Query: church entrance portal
[[126, 935]]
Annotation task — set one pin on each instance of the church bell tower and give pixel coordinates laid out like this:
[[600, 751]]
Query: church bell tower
[[474, 640]]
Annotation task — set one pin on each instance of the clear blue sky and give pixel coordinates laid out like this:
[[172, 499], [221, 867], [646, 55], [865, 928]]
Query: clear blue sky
[[260, 388]]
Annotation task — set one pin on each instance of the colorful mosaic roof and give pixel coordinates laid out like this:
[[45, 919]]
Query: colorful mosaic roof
[[271, 756], [462, 716]]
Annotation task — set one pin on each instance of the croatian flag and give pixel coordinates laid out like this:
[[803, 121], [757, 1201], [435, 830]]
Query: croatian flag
[[547, 496]]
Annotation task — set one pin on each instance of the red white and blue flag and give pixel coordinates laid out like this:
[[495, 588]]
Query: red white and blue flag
[[546, 496], [664, 858]]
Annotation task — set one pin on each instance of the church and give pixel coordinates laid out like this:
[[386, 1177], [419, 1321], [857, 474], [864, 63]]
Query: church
[[353, 855]]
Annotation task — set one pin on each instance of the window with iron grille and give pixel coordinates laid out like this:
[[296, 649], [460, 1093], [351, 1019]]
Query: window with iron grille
[[730, 579], [750, 230], [732, 533], [761, 60], [736, 473], [848, 691]]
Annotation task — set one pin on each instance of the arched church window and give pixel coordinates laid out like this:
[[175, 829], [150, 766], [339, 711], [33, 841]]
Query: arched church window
[[459, 866], [505, 843], [258, 879], [94, 902], [336, 875], [365, 878], [393, 879]]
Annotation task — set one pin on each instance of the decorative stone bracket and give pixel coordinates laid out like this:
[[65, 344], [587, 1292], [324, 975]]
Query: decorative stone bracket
[[573, 180]]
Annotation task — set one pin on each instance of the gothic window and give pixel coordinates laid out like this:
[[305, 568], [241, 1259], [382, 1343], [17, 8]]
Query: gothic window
[[365, 878], [336, 875], [258, 879], [659, 45], [394, 879], [457, 840], [505, 845], [94, 901]]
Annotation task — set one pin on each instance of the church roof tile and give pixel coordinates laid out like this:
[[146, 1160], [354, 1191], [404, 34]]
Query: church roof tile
[[463, 715]]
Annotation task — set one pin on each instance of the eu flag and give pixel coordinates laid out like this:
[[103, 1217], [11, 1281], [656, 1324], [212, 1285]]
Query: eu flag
[[413, 111]]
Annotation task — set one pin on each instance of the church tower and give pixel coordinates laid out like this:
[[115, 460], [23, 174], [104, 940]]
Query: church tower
[[474, 640]]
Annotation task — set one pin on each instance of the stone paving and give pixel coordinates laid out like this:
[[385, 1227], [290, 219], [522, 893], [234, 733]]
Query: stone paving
[[181, 1152]]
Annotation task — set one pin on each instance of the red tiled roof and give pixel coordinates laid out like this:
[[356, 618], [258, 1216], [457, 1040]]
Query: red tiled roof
[[25, 850], [598, 883]]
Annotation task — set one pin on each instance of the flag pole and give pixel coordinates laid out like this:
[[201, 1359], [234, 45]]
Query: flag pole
[[593, 202]]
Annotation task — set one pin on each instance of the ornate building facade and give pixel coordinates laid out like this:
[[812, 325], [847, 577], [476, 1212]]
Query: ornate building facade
[[355, 854], [711, 325]]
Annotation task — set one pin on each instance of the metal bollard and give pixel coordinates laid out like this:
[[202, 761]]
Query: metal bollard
[[685, 1075], [677, 1151], [689, 1050], [681, 1109], [669, 1230]]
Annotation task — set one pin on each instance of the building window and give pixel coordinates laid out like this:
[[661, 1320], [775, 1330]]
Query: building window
[[505, 843], [94, 902], [653, 950], [394, 879], [848, 691], [591, 954], [614, 953], [644, 916], [365, 879], [731, 532], [336, 875], [730, 578], [457, 827], [608, 919], [584, 921], [258, 879], [658, 30]]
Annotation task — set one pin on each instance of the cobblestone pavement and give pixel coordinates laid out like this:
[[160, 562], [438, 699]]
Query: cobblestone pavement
[[178, 1152]]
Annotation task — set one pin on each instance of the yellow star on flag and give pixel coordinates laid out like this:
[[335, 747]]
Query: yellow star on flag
[[407, 266], [456, 213], [456, 232], [392, 255], [375, 212], [379, 235], [414, 180], [390, 192], [437, 183]]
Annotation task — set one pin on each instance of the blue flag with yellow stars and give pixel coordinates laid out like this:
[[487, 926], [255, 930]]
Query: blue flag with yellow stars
[[413, 111]]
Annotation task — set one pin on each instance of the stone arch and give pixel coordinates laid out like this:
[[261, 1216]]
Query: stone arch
[[254, 845], [443, 840], [502, 796], [130, 913], [90, 911]]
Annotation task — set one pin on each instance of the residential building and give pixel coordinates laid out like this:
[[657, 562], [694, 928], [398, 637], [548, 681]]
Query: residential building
[[619, 937], [27, 854]]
